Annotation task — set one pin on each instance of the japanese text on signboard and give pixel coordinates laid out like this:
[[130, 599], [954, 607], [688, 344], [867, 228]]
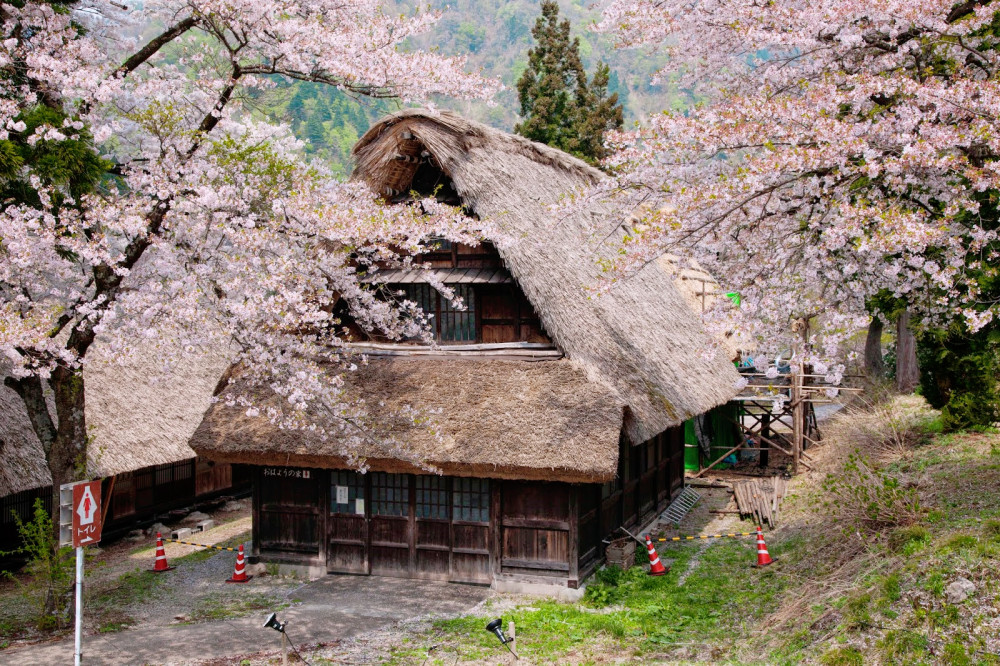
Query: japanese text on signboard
[[286, 473], [86, 513]]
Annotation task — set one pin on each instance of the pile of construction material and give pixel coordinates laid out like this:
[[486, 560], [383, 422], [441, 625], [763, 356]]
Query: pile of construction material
[[760, 498]]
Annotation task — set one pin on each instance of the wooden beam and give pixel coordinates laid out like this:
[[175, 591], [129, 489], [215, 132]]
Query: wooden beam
[[724, 456], [769, 441]]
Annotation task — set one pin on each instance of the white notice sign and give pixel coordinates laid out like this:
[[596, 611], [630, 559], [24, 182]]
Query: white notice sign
[[341, 494], [359, 506]]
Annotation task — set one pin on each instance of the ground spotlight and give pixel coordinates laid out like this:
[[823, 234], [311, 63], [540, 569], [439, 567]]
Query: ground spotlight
[[272, 623], [496, 628]]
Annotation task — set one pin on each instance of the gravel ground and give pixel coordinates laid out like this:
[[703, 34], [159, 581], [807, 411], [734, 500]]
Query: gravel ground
[[119, 595]]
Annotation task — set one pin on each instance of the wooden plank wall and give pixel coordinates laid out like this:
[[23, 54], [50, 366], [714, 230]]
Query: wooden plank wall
[[136, 496], [535, 526], [650, 476]]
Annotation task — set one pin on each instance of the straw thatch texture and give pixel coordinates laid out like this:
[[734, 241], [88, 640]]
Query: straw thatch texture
[[641, 336], [500, 419], [22, 461], [140, 416], [137, 416]]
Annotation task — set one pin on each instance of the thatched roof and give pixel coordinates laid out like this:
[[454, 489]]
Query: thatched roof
[[640, 337], [22, 461], [500, 419], [136, 415]]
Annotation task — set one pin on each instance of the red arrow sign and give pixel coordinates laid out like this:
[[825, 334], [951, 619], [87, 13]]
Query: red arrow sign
[[86, 513]]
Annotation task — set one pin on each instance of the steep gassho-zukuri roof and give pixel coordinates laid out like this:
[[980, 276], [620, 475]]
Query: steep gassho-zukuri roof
[[511, 419], [137, 416], [641, 337]]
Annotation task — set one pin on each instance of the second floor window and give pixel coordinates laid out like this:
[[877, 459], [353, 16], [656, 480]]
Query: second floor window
[[448, 323]]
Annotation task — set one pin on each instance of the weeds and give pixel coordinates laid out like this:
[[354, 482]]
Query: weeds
[[225, 608], [50, 570], [868, 499], [908, 540]]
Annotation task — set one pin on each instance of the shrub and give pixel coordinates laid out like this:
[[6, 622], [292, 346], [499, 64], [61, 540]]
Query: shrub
[[869, 499], [50, 569], [885, 426]]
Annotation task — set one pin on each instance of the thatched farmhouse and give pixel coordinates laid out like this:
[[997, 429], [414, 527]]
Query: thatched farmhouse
[[140, 421], [561, 407]]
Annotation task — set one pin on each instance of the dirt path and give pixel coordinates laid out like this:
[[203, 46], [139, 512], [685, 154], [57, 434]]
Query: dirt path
[[324, 612]]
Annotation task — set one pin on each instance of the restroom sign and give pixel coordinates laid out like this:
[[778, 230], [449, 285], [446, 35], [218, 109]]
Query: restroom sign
[[86, 513]]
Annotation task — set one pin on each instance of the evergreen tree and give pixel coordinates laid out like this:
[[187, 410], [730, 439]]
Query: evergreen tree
[[559, 106]]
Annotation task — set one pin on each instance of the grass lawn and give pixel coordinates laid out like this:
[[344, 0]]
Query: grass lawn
[[840, 594]]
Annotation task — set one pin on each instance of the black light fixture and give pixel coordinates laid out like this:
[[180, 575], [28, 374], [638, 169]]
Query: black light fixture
[[496, 627], [272, 623]]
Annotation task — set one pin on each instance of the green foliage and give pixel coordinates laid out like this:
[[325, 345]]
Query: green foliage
[[908, 540], [559, 106], [857, 613], [960, 375], [901, 646], [628, 610], [844, 656], [225, 607], [869, 499], [328, 121], [956, 654], [891, 587], [70, 166], [51, 569]]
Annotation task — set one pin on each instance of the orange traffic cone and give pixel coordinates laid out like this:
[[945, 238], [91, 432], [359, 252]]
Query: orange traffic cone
[[656, 567], [160, 564], [240, 572], [763, 557]]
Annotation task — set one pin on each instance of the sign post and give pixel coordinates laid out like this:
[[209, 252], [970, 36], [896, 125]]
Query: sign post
[[79, 525]]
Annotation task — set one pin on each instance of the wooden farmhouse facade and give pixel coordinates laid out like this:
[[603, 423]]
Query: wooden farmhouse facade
[[558, 408], [140, 423]]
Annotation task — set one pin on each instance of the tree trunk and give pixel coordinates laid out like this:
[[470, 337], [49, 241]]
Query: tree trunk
[[68, 456], [63, 439], [907, 371], [874, 363]]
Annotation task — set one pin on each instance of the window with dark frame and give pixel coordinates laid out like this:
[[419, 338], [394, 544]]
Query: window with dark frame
[[355, 485], [390, 494], [432, 497], [471, 500], [448, 323]]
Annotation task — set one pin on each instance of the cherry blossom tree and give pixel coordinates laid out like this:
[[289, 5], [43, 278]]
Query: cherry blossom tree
[[145, 206], [839, 150]]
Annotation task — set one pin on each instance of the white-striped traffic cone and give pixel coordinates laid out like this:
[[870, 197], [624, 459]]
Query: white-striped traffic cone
[[656, 567], [160, 564], [763, 557], [240, 572]]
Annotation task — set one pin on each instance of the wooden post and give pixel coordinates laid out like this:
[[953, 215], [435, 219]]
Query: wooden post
[[511, 635], [796, 418], [765, 444]]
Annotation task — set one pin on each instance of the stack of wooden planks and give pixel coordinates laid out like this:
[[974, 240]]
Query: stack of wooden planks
[[759, 498]]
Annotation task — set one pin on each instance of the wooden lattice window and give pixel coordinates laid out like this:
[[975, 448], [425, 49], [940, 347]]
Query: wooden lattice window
[[471, 500], [390, 494], [448, 323], [347, 492], [432, 497]]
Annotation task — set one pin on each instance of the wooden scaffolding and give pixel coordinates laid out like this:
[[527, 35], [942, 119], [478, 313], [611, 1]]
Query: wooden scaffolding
[[778, 413]]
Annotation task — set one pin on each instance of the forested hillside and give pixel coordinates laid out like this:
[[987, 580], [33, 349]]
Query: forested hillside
[[496, 36]]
